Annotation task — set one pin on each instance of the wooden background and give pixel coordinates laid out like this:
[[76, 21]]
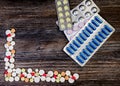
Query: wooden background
[[39, 43]]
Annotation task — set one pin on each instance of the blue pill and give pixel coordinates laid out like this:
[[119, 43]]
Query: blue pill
[[95, 23], [96, 42], [98, 19], [86, 52], [83, 56], [102, 35], [80, 40], [89, 30], [83, 36], [79, 59], [73, 47], [86, 33], [92, 26], [76, 43], [71, 51], [105, 32], [108, 28], [99, 38], [92, 45], [90, 49]]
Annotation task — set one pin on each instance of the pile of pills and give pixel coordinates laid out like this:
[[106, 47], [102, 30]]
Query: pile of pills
[[29, 75]]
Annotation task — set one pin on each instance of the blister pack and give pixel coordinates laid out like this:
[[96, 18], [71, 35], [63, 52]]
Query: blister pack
[[64, 15], [89, 39]]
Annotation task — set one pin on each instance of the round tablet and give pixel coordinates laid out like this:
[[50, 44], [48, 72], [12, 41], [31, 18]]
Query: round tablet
[[17, 78], [65, 2], [63, 26], [52, 79], [48, 79], [11, 79], [50, 73], [7, 64], [88, 14], [9, 39], [18, 70], [68, 73], [37, 79], [68, 20], [66, 8], [14, 74], [69, 25], [29, 70], [94, 10], [8, 53], [62, 79], [13, 35], [71, 80], [41, 72], [29, 75], [76, 75], [61, 20], [31, 80], [6, 59], [10, 47], [59, 3], [82, 7], [12, 60], [12, 42], [36, 70], [43, 78], [75, 12], [88, 3], [81, 19], [6, 46], [6, 79], [12, 65], [7, 32], [59, 9], [67, 13]]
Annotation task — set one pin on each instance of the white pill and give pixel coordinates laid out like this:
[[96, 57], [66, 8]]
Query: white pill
[[88, 14], [7, 32], [88, 3], [62, 79], [43, 78], [10, 47], [24, 73], [76, 75], [18, 70], [29, 70], [9, 39], [37, 79], [7, 64], [82, 7], [11, 79], [6, 46], [17, 78], [12, 65], [13, 43], [71, 80], [14, 74], [53, 79], [14, 70], [12, 60], [6, 67], [13, 35], [75, 12], [94, 9], [36, 70], [8, 53], [48, 79], [41, 72], [6, 59], [50, 73], [29, 75], [68, 73]]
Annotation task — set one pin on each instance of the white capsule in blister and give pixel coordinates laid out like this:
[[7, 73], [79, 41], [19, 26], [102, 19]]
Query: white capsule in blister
[[80, 19], [12, 60], [11, 79], [82, 7], [7, 32], [94, 10], [17, 78], [48, 79], [88, 2], [52, 79], [13, 35], [8, 53], [43, 78], [10, 47], [9, 39], [29, 70], [50, 73], [71, 80], [41, 72], [62, 79], [13, 43], [76, 75], [88, 14], [75, 12], [37, 79], [6, 79]]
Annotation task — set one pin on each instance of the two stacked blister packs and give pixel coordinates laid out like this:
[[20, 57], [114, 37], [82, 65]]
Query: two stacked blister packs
[[84, 28]]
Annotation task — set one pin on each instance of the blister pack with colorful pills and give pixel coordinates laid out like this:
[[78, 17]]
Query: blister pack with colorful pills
[[89, 39], [64, 15]]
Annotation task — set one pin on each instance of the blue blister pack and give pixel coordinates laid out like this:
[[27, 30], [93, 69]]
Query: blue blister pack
[[89, 39]]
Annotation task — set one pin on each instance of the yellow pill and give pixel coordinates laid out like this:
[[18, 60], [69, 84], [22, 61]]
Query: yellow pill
[[31, 80], [12, 30], [60, 9], [61, 20], [59, 75], [66, 8], [69, 25], [26, 80], [65, 1], [68, 19], [23, 70], [60, 15], [67, 13], [63, 26], [56, 72], [22, 79], [57, 80], [37, 74], [63, 74], [6, 78], [13, 51], [59, 3]]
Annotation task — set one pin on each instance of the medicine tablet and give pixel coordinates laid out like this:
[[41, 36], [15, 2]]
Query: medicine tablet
[[88, 2], [71, 80], [11, 79], [9, 39], [41, 72], [37, 79], [82, 7], [68, 73], [75, 12], [48, 79], [76, 75], [17, 78], [43, 78], [62, 79], [8, 32]]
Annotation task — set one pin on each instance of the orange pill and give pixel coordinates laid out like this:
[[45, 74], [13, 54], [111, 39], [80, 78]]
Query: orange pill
[[56, 72], [8, 43], [12, 30], [9, 74], [63, 74], [13, 51], [26, 80], [66, 77]]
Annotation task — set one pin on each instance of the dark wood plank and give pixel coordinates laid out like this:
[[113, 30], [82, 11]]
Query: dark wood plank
[[39, 43]]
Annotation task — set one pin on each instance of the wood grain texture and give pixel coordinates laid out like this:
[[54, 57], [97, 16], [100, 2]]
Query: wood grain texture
[[39, 42]]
